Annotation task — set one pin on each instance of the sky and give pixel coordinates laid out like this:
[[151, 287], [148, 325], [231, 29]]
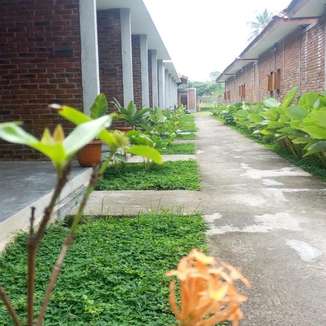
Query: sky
[[206, 35]]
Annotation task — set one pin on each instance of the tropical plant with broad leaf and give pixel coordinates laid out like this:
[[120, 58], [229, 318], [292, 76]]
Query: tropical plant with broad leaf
[[135, 118]]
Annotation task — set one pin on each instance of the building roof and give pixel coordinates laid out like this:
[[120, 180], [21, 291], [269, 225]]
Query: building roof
[[171, 69], [141, 23], [298, 13]]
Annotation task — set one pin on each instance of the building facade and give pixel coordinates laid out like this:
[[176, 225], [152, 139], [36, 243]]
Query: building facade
[[289, 52], [68, 51]]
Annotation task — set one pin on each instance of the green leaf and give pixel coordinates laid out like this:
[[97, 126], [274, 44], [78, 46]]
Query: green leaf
[[12, 133], [146, 152], [271, 114], [318, 147], [309, 101], [138, 138], [108, 138], [317, 117], [255, 117], [271, 103], [289, 97], [55, 152], [100, 107], [315, 131], [78, 118], [73, 115], [301, 140], [132, 109], [85, 133], [297, 112]]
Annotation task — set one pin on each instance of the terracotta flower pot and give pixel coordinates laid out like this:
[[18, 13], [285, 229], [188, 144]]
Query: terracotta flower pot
[[91, 154], [123, 128]]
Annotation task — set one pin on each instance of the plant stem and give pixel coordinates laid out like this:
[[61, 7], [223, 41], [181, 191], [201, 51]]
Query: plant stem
[[70, 238], [10, 308], [34, 242]]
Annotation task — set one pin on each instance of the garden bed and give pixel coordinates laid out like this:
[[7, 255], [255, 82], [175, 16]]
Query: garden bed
[[183, 175], [187, 148], [187, 123], [113, 275]]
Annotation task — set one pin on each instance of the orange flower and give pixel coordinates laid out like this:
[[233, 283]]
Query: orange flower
[[207, 291]]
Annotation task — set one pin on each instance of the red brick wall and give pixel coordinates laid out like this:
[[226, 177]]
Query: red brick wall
[[290, 75], [313, 59], [266, 65], [230, 85], [150, 80], [110, 54], [39, 64], [246, 77], [136, 66], [300, 58]]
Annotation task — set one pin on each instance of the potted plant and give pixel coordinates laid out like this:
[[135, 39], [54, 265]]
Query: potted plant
[[129, 118], [91, 154]]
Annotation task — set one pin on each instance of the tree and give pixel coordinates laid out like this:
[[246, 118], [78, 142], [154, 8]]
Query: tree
[[213, 75], [210, 88], [261, 21]]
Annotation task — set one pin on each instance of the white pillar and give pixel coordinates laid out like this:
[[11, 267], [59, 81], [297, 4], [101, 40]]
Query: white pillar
[[166, 90], [161, 84], [144, 70], [89, 52], [176, 94], [154, 81], [126, 49], [170, 92]]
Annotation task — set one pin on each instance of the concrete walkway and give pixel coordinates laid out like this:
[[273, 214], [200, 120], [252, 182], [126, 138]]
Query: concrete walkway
[[268, 218]]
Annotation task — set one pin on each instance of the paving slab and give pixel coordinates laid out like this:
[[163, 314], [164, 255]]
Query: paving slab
[[133, 202], [166, 158], [22, 183], [30, 184], [184, 141]]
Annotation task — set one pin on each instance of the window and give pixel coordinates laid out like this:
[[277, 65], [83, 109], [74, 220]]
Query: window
[[274, 82], [227, 96], [277, 84], [270, 83], [242, 92]]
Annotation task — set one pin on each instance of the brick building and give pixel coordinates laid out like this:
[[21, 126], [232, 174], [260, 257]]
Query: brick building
[[289, 52], [67, 51]]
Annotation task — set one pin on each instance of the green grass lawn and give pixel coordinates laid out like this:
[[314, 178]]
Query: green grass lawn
[[114, 273], [182, 175], [190, 136], [179, 149], [187, 123]]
